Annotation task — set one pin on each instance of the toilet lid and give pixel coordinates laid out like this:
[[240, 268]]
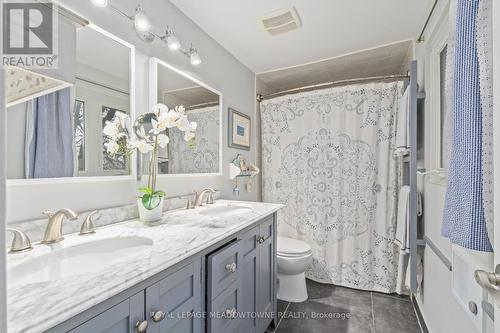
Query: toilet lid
[[292, 247]]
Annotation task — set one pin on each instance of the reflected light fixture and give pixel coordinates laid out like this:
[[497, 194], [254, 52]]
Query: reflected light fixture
[[194, 56], [171, 40], [100, 3], [141, 21]]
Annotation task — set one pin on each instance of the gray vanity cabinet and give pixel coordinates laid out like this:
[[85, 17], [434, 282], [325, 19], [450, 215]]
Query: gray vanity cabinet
[[174, 303], [266, 270], [250, 292], [121, 318], [227, 288], [249, 277]]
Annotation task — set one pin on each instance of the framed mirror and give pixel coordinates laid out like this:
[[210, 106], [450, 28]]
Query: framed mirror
[[58, 133], [203, 105]]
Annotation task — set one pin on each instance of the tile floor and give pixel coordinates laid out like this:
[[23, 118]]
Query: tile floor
[[349, 311]]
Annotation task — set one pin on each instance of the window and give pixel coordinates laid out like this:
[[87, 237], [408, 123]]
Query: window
[[79, 132], [117, 162], [443, 102]]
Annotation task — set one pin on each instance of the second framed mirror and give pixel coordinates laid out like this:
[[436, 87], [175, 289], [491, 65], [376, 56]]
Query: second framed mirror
[[203, 105]]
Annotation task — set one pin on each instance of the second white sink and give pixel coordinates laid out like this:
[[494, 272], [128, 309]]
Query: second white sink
[[76, 260], [227, 210]]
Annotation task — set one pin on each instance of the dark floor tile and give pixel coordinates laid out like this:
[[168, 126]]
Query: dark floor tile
[[282, 307], [338, 296], [396, 296], [303, 317], [392, 315]]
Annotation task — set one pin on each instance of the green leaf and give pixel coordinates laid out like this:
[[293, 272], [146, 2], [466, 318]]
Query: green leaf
[[150, 201], [159, 193], [146, 190]]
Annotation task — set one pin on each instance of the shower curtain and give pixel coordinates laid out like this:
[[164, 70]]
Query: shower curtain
[[204, 156], [328, 156]]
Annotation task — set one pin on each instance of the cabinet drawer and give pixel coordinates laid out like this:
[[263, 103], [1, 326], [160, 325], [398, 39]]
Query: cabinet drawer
[[266, 228], [224, 311], [223, 268]]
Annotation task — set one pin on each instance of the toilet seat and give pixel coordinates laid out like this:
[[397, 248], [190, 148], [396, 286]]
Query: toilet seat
[[289, 247]]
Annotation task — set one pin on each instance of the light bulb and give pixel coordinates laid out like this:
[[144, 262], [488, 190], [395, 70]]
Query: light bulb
[[100, 3], [141, 21], [173, 43], [195, 58]]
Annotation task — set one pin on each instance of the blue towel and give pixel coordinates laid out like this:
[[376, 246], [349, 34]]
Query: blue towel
[[463, 221]]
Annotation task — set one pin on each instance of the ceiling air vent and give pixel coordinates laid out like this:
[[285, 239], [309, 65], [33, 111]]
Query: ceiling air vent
[[281, 21]]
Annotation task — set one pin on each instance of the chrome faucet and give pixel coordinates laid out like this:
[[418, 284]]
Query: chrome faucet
[[20, 242], [199, 196], [53, 232]]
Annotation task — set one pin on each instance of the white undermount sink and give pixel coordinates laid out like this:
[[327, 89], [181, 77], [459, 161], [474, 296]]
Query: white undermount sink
[[76, 260], [227, 210]]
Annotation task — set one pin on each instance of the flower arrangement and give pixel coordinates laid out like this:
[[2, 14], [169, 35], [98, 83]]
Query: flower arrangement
[[119, 141]]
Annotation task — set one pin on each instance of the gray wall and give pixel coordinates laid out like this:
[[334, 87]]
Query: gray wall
[[219, 70]]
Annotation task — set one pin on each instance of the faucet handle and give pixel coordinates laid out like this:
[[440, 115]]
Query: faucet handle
[[88, 227], [20, 242], [48, 213]]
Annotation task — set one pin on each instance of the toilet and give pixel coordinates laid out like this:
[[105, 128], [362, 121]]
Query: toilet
[[293, 258]]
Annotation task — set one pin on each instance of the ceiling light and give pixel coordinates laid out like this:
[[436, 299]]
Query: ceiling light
[[172, 41], [194, 57], [141, 21], [100, 3]]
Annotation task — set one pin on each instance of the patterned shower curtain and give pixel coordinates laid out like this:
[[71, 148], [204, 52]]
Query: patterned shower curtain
[[328, 156], [204, 156]]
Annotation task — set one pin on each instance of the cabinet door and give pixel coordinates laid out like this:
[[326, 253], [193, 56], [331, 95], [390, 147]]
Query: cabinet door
[[249, 276], [265, 291], [121, 318], [224, 311], [178, 297]]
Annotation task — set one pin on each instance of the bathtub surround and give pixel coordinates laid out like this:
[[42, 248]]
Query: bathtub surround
[[328, 156], [463, 219]]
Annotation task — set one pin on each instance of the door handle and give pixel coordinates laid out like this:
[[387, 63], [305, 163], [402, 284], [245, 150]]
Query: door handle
[[490, 282]]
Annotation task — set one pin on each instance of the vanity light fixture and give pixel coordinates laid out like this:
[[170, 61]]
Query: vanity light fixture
[[194, 56], [100, 3], [141, 21], [171, 40], [144, 31]]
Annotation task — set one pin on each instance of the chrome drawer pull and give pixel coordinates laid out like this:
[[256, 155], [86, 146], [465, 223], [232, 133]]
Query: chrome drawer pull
[[261, 239], [231, 268], [231, 313], [141, 326], [158, 316]]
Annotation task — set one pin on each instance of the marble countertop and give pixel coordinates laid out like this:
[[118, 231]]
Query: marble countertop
[[38, 306]]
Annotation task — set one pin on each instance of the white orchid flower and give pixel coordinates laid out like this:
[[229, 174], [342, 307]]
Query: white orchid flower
[[122, 118], [160, 108], [192, 126], [180, 109], [183, 123], [188, 136], [172, 117], [112, 147], [163, 140], [111, 130], [142, 146]]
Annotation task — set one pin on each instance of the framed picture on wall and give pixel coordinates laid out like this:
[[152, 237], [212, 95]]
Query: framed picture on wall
[[239, 130]]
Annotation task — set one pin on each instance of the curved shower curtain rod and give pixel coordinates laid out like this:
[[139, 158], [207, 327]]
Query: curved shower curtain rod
[[261, 97]]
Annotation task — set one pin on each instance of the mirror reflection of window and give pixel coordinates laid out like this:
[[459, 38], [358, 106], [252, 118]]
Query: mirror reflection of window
[[117, 162], [79, 130]]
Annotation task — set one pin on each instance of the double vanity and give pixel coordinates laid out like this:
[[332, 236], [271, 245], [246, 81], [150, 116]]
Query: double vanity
[[210, 269]]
